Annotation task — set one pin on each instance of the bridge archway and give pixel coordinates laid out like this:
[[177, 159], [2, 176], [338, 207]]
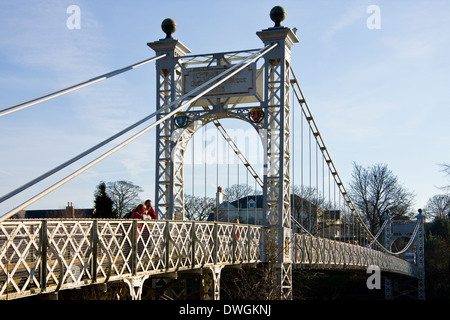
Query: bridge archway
[[247, 135]]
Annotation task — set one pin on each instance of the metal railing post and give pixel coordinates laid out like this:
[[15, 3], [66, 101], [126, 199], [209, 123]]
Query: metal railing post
[[248, 244], [193, 243], [215, 237], [94, 248], [167, 245], [44, 245], [134, 247], [234, 243]]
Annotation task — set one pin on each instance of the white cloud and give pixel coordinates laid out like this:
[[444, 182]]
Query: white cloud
[[351, 15]]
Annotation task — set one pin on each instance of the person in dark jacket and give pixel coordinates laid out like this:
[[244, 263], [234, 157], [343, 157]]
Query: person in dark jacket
[[150, 211]]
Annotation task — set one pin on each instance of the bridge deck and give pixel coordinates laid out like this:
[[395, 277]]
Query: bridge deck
[[39, 256]]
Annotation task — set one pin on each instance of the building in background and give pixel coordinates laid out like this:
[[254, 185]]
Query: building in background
[[249, 210], [68, 213]]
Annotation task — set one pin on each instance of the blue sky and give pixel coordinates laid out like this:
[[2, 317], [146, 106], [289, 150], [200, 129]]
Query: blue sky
[[377, 95]]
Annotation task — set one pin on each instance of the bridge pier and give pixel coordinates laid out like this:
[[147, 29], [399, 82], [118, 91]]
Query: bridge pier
[[135, 284], [211, 283], [284, 279], [397, 287]]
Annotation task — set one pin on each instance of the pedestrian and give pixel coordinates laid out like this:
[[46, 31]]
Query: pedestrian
[[238, 229], [150, 211], [140, 213]]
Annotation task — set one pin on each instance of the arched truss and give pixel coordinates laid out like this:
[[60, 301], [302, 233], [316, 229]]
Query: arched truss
[[181, 137]]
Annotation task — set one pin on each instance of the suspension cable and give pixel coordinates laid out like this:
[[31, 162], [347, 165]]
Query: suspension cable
[[74, 87], [74, 159], [99, 145], [416, 229], [238, 153], [314, 130], [199, 92], [379, 232]]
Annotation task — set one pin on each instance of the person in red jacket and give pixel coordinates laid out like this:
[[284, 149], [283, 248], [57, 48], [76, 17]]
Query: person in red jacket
[[140, 213], [150, 211]]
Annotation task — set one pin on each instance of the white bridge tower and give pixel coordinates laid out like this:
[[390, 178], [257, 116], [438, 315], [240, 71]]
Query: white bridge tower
[[266, 87]]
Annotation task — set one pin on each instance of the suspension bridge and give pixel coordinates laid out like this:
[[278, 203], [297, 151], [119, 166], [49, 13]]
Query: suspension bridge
[[314, 226]]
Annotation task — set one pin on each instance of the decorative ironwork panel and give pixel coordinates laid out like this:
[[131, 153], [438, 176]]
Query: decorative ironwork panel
[[117, 240], [71, 240], [224, 243], [313, 252], [203, 247], [20, 258], [179, 245]]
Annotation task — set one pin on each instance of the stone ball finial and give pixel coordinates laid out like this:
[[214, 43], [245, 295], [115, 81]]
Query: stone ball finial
[[169, 26], [277, 14]]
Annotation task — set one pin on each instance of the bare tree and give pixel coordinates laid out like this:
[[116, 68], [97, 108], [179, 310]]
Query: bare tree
[[125, 196], [438, 206], [375, 190], [198, 208], [238, 191], [310, 194], [446, 169]]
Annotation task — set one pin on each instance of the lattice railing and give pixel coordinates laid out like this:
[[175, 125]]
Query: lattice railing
[[314, 252], [38, 256]]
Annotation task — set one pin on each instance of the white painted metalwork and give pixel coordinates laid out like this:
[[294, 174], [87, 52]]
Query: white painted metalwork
[[50, 255], [273, 101], [414, 248], [74, 87], [42, 256], [171, 143], [203, 89]]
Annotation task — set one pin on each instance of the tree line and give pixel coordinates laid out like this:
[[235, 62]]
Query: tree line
[[374, 190]]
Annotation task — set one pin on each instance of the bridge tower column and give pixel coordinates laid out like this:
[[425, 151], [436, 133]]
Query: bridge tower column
[[169, 180], [420, 255], [388, 281], [398, 286], [275, 104]]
